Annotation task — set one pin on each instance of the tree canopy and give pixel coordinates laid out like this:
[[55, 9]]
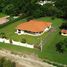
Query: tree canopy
[[64, 25], [31, 8], [61, 46]]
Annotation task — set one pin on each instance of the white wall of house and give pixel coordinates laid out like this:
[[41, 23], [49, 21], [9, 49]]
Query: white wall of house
[[63, 34], [17, 31], [36, 34], [21, 32], [47, 29]]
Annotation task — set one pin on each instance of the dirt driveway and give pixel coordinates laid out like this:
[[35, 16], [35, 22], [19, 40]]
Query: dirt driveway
[[24, 61], [4, 20]]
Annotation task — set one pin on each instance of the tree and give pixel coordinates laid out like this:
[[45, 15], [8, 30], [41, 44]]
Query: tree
[[29, 18], [3, 35], [64, 25], [31, 8], [8, 9], [7, 63], [65, 42], [59, 47], [2, 61], [37, 13], [10, 41], [62, 5], [15, 7], [49, 10]]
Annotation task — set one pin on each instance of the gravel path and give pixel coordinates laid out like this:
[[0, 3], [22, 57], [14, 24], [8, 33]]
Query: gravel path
[[24, 61]]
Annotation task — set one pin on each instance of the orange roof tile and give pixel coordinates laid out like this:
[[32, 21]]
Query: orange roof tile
[[64, 31], [34, 26]]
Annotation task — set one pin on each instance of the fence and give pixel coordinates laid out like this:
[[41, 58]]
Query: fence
[[16, 43]]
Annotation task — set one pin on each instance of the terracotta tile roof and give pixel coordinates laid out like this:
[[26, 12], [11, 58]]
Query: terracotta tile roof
[[34, 26], [64, 31]]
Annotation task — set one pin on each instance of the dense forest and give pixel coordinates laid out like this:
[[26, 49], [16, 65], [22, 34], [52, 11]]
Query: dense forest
[[33, 9]]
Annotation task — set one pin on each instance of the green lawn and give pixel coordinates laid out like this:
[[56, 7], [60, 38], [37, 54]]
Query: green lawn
[[49, 50], [17, 49]]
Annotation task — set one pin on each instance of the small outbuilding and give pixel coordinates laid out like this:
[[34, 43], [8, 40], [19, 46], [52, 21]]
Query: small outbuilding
[[64, 32]]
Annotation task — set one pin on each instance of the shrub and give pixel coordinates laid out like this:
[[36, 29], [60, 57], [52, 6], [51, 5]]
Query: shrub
[[23, 40], [13, 64], [2, 61], [2, 34], [53, 17], [6, 63], [64, 25], [29, 18]]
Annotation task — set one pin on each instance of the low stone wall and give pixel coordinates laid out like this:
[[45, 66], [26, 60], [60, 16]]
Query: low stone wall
[[16, 43]]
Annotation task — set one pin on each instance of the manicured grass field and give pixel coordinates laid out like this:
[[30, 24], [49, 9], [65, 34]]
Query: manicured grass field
[[49, 51]]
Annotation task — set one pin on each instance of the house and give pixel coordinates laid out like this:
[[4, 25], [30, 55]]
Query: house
[[44, 2], [64, 32], [33, 27]]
